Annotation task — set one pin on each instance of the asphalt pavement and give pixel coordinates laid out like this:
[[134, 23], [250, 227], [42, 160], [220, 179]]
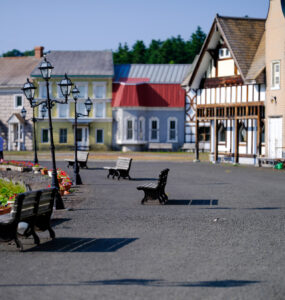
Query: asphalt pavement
[[220, 237]]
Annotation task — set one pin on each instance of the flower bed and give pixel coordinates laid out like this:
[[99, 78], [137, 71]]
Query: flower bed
[[14, 165]]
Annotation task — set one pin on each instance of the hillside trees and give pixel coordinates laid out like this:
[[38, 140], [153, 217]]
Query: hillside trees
[[172, 50]]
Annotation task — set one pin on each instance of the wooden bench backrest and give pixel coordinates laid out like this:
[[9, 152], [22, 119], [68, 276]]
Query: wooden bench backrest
[[124, 163], [31, 203], [163, 178], [46, 201], [25, 205], [82, 155]]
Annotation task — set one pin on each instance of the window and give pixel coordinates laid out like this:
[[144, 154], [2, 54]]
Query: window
[[63, 110], [129, 129], [99, 136], [99, 110], [141, 129], [43, 90], [242, 134], [204, 134], [81, 108], [172, 130], [222, 133], [100, 90], [63, 136], [18, 101], [224, 53], [83, 89], [275, 80], [262, 132], [154, 129], [45, 135]]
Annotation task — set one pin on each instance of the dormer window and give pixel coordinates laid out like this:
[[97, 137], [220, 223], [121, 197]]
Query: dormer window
[[224, 53]]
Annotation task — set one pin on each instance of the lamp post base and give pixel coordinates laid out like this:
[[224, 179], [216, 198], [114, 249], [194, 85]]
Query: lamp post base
[[77, 179], [58, 201]]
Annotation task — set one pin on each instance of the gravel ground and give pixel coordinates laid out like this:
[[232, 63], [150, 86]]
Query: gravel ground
[[220, 237]]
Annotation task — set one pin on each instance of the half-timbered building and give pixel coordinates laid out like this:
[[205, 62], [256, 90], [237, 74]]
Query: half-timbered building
[[226, 92]]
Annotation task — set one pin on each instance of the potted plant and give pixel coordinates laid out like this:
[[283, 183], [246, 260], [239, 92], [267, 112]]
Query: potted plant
[[44, 171], [36, 168]]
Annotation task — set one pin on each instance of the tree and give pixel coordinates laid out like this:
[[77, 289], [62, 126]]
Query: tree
[[16, 53], [139, 53], [195, 44], [123, 55]]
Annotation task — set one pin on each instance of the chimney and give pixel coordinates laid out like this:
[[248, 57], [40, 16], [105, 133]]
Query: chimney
[[39, 51]]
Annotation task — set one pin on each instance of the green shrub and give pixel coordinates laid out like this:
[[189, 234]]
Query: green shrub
[[8, 191]]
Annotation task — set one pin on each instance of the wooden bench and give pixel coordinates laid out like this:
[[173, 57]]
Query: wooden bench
[[82, 158], [160, 146], [122, 168], [35, 209], [155, 190]]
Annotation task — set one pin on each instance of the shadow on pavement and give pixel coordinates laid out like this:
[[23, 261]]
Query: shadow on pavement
[[144, 282], [83, 245], [144, 179], [204, 202]]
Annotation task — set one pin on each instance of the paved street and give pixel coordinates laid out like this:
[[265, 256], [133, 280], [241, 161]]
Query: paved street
[[221, 237]]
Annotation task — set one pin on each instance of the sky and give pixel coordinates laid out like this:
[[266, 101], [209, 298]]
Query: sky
[[101, 25]]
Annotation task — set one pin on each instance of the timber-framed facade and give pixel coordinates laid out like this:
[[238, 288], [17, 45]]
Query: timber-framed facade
[[229, 89]]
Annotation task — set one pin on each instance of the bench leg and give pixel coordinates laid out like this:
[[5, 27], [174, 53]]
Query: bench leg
[[51, 232], [35, 236], [19, 244]]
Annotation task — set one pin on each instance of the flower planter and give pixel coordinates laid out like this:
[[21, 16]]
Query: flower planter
[[66, 192], [61, 192], [5, 210], [36, 170], [44, 171]]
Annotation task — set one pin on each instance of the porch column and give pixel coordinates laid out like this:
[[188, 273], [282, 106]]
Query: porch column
[[197, 141], [216, 141], [19, 135], [9, 137], [236, 157]]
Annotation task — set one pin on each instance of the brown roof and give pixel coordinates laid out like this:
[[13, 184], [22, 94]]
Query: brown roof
[[15, 70], [243, 36], [258, 63]]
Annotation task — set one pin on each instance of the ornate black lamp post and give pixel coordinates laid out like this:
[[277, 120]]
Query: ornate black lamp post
[[29, 90], [34, 120], [88, 104]]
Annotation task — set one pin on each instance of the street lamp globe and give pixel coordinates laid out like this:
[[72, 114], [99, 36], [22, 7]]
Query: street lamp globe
[[29, 90], [43, 111], [75, 93], [23, 113], [46, 69], [88, 105], [65, 86]]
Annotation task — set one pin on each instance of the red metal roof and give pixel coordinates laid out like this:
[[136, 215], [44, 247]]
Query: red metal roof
[[148, 95], [133, 80]]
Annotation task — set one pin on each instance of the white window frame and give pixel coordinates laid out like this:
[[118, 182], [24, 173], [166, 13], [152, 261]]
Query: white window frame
[[85, 111], [171, 119], [42, 85], [95, 109], [223, 53], [15, 101], [99, 83], [42, 136], [103, 135], [275, 86], [133, 129], [150, 129], [67, 113], [60, 135], [141, 119], [82, 83]]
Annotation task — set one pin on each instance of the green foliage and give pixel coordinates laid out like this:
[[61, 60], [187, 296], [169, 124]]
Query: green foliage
[[173, 50], [16, 52], [8, 190]]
